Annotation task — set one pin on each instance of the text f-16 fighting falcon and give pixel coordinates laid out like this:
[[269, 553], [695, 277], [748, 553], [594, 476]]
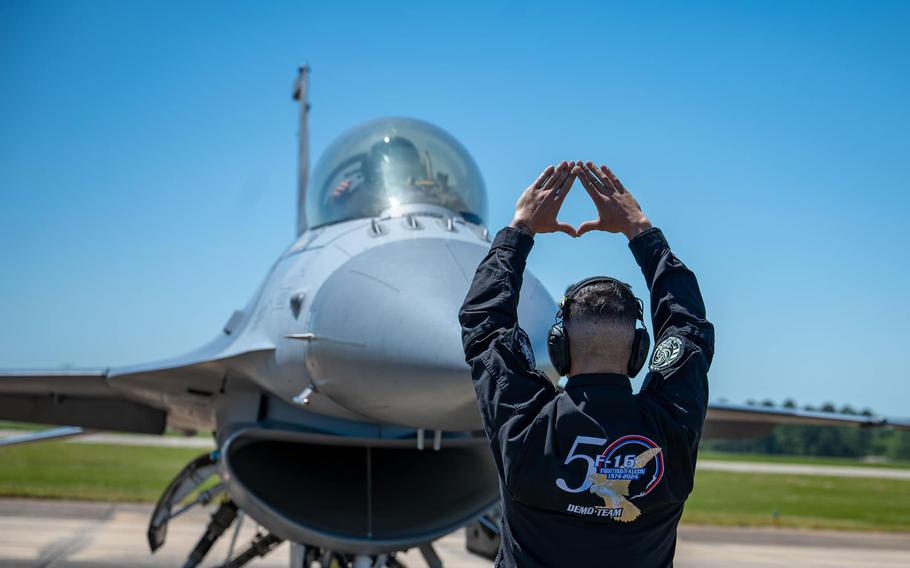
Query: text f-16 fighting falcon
[[342, 409]]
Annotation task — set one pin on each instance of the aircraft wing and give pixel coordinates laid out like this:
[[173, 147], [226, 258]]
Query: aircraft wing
[[744, 421], [75, 398], [142, 398]]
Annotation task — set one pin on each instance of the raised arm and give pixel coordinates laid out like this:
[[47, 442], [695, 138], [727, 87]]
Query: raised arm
[[508, 386], [684, 338]]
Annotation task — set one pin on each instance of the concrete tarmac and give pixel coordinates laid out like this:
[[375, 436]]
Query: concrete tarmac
[[53, 534], [804, 469]]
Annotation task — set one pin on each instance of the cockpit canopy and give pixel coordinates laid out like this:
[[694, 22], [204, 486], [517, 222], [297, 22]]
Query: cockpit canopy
[[379, 166]]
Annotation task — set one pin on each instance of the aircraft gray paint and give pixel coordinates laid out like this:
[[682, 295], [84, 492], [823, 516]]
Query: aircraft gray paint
[[339, 398]]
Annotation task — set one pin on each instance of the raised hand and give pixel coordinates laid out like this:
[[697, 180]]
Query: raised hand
[[538, 206], [617, 210]]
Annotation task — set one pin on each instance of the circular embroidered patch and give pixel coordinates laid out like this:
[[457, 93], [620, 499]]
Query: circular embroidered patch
[[666, 353], [523, 343]]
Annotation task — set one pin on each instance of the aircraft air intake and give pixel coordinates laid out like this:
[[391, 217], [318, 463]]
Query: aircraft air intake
[[370, 499]]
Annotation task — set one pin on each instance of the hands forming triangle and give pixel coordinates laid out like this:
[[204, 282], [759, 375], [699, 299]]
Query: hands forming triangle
[[617, 209]]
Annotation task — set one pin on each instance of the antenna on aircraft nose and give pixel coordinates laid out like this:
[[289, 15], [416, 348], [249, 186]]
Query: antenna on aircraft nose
[[301, 95]]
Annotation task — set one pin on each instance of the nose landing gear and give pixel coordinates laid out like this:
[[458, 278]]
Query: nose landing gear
[[303, 556]]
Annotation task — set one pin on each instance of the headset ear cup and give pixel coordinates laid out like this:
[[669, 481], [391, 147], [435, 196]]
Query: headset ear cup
[[558, 349], [640, 347]]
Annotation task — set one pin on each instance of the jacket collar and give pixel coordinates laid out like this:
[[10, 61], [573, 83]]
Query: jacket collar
[[613, 380]]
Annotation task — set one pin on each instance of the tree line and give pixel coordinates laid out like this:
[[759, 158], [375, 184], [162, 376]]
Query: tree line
[[835, 441]]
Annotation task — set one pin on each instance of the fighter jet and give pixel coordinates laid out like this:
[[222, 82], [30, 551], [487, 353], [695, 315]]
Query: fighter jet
[[339, 400]]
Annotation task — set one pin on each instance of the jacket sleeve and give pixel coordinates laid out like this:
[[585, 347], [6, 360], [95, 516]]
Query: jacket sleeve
[[684, 338], [510, 391]]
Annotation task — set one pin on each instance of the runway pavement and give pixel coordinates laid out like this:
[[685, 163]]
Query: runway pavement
[[51, 534], [804, 469]]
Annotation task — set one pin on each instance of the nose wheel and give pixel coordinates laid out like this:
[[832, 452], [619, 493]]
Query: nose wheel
[[303, 556], [313, 557]]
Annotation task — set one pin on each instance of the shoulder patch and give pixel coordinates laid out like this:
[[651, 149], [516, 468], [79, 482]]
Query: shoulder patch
[[666, 353], [521, 343]]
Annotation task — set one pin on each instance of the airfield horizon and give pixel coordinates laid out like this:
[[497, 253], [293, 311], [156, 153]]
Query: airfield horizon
[[70, 470]]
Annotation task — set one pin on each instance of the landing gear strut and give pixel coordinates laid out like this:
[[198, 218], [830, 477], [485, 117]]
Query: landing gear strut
[[221, 520], [262, 544]]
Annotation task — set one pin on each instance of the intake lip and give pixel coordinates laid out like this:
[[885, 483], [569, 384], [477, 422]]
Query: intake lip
[[365, 499]]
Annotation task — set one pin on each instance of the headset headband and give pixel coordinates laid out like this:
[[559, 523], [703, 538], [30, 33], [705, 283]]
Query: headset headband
[[574, 289]]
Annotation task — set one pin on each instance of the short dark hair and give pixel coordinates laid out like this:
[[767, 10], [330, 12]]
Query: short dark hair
[[603, 301]]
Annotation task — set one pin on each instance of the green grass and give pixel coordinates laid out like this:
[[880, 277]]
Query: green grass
[[749, 499], [810, 460], [61, 470], [31, 427], [24, 426]]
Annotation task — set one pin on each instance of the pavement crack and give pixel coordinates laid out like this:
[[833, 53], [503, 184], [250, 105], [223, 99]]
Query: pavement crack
[[62, 548]]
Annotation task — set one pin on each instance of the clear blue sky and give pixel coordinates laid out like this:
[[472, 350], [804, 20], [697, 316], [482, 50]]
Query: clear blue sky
[[147, 162]]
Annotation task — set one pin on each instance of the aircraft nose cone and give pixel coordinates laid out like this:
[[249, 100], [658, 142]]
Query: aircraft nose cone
[[388, 343], [387, 340]]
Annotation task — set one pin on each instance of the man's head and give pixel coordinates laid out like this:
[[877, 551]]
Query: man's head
[[599, 319]]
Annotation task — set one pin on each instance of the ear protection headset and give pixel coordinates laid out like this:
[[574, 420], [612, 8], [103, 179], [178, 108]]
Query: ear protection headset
[[558, 337]]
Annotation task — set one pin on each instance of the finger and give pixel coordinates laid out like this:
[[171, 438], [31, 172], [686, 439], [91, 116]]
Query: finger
[[552, 182], [578, 173], [558, 196], [542, 178], [586, 226], [558, 178], [568, 180], [589, 183], [612, 177], [563, 189], [566, 228], [601, 177], [592, 174], [604, 171]]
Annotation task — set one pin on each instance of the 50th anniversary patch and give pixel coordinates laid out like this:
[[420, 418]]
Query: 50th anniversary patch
[[630, 468]]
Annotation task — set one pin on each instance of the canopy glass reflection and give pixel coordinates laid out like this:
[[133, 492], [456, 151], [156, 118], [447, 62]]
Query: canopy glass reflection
[[382, 165]]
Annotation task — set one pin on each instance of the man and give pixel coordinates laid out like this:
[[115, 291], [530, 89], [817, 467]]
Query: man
[[594, 475]]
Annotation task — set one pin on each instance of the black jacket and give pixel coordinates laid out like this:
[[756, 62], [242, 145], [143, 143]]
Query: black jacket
[[595, 475]]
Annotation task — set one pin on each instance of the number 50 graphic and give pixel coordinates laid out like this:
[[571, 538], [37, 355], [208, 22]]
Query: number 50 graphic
[[586, 482]]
